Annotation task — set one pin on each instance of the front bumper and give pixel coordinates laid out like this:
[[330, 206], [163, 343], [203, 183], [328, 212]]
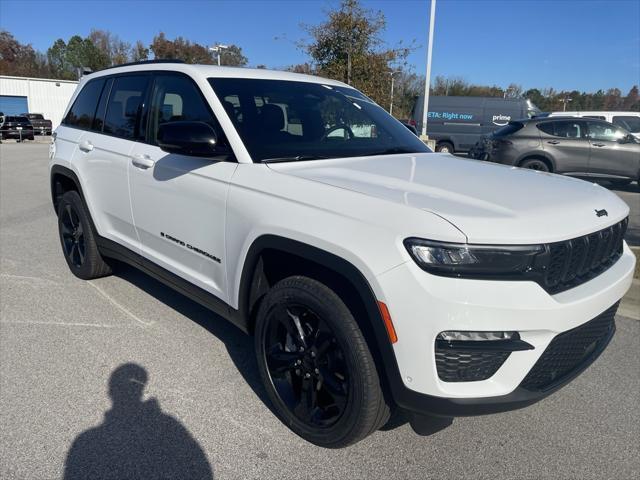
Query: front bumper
[[422, 306]]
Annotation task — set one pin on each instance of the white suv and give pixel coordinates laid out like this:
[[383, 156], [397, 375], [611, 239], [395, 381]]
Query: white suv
[[373, 274]]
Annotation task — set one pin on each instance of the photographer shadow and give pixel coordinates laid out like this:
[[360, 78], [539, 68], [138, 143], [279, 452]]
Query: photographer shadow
[[136, 440]]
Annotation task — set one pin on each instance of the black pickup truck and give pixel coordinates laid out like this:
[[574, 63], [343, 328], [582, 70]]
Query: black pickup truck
[[41, 126], [18, 127]]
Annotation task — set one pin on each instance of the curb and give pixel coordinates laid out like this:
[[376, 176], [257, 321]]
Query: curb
[[636, 251]]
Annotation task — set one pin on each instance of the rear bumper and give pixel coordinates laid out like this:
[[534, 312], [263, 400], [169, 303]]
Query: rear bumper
[[16, 133]]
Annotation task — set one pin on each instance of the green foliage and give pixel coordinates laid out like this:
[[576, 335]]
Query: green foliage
[[182, 49], [347, 47]]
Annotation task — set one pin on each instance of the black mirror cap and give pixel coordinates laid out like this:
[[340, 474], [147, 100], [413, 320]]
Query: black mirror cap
[[197, 139]]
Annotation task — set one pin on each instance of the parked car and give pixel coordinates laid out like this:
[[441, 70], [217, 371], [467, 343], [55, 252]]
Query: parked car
[[630, 121], [17, 127], [41, 126], [581, 147], [373, 274], [457, 123]]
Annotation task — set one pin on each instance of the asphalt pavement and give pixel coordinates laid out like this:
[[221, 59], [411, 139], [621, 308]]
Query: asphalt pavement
[[197, 405]]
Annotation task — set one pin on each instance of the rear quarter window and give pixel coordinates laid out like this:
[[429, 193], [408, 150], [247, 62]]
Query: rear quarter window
[[83, 109], [509, 129]]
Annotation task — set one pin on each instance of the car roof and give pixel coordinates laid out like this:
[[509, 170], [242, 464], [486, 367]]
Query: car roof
[[214, 71]]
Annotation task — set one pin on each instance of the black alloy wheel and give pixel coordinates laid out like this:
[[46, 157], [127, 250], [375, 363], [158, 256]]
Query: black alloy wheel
[[73, 241], [316, 365], [306, 365], [78, 240]]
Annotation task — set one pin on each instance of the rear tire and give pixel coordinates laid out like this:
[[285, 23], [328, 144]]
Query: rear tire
[[316, 366], [535, 164], [444, 147], [77, 239]]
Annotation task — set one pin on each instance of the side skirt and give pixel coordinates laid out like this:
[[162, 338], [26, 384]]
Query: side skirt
[[111, 249]]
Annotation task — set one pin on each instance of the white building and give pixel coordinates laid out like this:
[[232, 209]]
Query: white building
[[36, 95]]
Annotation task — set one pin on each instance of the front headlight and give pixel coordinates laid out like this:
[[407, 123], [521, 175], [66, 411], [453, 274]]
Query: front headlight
[[464, 260]]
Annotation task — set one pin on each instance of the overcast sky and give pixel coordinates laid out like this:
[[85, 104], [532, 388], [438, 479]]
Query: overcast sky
[[573, 44]]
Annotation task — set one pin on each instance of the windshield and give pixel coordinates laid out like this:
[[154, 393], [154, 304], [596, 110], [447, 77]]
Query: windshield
[[287, 120], [17, 119]]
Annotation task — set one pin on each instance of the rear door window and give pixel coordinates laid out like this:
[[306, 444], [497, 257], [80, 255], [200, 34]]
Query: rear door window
[[125, 106], [564, 129], [628, 122], [83, 109]]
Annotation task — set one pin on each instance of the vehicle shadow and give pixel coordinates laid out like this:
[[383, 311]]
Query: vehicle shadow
[[136, 439], [238, 344]]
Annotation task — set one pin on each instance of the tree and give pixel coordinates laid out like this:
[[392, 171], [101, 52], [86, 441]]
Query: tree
[[347, 47], [20, 59], [232, 56], [139, 52], [180, 49], [632, 100]]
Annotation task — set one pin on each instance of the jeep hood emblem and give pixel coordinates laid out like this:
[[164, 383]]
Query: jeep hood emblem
[[602, 213]]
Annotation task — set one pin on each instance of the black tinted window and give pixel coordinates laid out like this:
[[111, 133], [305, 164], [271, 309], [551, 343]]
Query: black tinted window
[[628, 122], [563, 129], [512, 127], [176, 98], [125, 105], [279, 119], [81, 113], [98, 121]]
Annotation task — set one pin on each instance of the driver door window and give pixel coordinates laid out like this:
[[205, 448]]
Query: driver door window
[[604, 132]]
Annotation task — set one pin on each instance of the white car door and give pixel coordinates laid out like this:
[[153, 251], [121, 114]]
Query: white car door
[[179, 201], [102, 156]]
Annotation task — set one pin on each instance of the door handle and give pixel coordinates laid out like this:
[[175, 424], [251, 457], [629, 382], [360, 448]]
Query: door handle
[[86, 146], [142, 161], [598, 144], [553, 142]]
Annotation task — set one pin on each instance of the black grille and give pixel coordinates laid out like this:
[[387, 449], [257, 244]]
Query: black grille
[[573, 262], [467, 365], [571, 351]]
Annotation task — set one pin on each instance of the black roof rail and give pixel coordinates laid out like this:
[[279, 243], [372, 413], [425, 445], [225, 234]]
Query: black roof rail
[[144, 62]]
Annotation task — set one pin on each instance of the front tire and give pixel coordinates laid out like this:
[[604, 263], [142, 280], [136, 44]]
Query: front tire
[[316, 365], [77, 239], [444, 147]]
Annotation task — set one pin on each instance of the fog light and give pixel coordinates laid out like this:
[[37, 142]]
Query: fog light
[[477, 336]]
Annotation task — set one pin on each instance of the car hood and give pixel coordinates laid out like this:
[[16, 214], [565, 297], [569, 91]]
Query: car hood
[[488, 203]]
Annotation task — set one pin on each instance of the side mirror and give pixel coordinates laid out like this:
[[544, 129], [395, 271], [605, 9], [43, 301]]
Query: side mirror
[[627, 139], [197, 139]]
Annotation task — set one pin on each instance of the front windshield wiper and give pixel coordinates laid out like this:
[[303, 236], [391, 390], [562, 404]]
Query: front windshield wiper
[[294, 158], [391, 151]]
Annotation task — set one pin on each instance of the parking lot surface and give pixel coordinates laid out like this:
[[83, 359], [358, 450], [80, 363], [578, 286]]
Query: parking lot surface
[[65, 345]]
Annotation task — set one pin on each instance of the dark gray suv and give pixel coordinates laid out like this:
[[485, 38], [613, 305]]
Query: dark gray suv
[[572, 146]]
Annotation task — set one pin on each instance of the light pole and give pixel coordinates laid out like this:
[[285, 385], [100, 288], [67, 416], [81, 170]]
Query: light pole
[[427, 80], [392, 73], [564, 101], [218, 49]]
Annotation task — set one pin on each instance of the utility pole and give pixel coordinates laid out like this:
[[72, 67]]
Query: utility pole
[[392, 73], [218, 49], [427, 80], [564, 101]]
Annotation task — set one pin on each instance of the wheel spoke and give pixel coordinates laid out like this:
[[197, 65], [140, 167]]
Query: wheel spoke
[[332, 384], [280, 361], [70, 215], [73, 254]]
